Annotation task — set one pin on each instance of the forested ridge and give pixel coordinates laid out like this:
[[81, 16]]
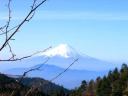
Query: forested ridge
[[40, 87], [115, 83]]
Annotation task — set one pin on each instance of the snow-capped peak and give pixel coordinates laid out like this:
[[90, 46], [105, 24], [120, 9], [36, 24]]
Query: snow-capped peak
[[62, 50]]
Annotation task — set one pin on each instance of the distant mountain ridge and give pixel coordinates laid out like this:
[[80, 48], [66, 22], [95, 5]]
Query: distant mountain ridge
[[70, 79]]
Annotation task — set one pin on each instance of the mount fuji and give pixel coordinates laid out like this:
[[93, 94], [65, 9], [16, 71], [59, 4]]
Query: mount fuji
[[63, 50], [60, 57], [64, 54]]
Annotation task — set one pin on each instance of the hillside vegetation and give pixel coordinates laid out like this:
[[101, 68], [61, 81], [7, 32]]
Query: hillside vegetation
[[40, 87], [114, 84]]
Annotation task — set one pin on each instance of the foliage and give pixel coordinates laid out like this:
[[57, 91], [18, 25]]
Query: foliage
[[114, 84]]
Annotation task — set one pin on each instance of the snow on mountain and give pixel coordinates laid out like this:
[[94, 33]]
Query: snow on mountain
[[62, 50]]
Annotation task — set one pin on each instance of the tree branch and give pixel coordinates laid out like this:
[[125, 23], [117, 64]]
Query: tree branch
[[64, 70], [25, 57], [26, 19]]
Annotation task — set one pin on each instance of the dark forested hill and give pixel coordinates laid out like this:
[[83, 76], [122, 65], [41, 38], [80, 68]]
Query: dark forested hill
[[46, 86], [8, 85], [40, 87]]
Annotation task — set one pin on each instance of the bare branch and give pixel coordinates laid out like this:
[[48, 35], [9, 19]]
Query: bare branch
[[33, 69], [1, 28], [3, 32], [27, 18], [25, 57], [6, 29]]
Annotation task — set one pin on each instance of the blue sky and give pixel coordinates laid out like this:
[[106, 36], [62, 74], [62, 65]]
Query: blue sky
[[97, 28]]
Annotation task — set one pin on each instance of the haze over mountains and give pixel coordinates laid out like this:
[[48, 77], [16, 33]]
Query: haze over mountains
[[60, 58], [70, 79]]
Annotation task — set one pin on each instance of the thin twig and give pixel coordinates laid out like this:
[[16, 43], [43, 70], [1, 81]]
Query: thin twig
[[33, 69], [54, 78], [3, 32], [27, 18], [25, 57]]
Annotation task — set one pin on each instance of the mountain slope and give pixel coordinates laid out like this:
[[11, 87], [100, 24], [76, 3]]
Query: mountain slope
[[64, 54], [42, 87], [45, 86]]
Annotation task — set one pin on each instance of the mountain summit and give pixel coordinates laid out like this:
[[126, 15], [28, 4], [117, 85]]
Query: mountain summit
[[62, 50]]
